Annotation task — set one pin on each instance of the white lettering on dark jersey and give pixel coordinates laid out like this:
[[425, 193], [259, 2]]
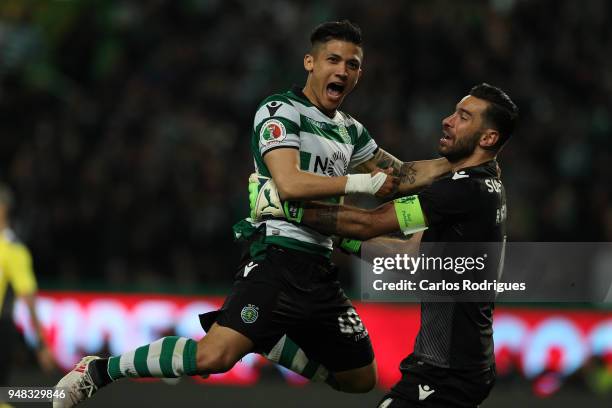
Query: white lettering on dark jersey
[[493, 186]]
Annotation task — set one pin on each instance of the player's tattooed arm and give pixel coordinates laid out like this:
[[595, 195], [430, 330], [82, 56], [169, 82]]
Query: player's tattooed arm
[[350, 222], [412, 175]]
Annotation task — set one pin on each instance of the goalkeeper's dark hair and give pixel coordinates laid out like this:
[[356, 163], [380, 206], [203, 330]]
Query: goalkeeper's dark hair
[[501, 114], [336, 30]]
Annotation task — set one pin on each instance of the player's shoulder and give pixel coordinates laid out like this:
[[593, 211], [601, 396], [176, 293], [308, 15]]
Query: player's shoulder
[[455, 186], [12, 241], [277, 98], [351, 121], [279, 105], [468, 184], [472, 175], [9, 236]]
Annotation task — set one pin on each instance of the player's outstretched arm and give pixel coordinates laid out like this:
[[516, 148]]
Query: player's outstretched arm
[[350, 222], [412, 175], [404, 214], [295, 184]]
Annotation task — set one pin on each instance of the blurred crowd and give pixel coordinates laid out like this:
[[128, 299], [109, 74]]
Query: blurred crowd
[[125, 125]]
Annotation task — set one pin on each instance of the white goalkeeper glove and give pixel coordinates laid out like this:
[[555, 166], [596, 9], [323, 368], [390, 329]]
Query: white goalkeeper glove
[[265, 202]]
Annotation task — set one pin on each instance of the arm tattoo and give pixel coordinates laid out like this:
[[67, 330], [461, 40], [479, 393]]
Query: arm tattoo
[[323, 218], [384, 160], [329, 216], [407, 173]]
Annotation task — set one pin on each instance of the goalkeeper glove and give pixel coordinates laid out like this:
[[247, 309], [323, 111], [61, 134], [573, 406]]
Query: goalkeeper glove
[[265, 202]]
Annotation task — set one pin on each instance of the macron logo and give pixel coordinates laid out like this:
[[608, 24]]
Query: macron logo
[[386, 403], [459, 175], [247, 268], [425, 391]]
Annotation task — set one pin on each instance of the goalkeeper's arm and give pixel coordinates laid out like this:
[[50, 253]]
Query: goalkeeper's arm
[[404, 214]]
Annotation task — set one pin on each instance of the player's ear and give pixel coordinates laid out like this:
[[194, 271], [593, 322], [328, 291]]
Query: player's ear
[[359, 73], [489, 138], [308, 62]]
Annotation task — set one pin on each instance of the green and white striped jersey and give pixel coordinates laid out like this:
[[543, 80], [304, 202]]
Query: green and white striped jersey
[[327, 147]]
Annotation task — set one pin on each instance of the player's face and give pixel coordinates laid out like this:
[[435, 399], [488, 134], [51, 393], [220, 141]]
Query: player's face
[[334, 69], [463, 129]]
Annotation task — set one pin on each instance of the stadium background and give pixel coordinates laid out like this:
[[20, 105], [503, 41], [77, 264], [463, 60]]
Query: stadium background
[[124, 131]]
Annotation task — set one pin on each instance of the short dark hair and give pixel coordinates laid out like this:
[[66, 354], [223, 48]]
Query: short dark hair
[[336, 30], [501, 114]]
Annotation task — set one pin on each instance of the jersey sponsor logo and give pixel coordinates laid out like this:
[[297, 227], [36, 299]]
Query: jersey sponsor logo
[[459, 175], [425, 391], [273, 107], [249, 313], [247, 268], [337, 165], [272, 131]]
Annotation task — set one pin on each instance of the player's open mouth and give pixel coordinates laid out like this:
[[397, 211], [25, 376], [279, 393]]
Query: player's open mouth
[[334, 90], [445, 139]]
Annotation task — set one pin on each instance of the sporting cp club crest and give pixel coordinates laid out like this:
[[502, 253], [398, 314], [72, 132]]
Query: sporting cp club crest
[[249, 314], [272, 131]]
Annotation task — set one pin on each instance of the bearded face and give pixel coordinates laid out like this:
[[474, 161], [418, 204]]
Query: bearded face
[[459, 148], [463, 129]]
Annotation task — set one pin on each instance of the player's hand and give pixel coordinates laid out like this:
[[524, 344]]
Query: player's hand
[[390, 186], [264, 199], [46, 360], [265, 202]]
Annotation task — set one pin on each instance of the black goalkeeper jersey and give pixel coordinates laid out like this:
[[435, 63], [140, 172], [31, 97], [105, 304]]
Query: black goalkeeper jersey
[[466, 206]]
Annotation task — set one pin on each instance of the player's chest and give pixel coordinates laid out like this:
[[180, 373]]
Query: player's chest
[[323, 155]]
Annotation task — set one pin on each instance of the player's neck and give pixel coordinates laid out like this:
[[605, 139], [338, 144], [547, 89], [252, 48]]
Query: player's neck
[[472, 160], [312, 97]]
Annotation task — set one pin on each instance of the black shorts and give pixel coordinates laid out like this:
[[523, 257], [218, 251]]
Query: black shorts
[[424, 385], [296, 294]]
